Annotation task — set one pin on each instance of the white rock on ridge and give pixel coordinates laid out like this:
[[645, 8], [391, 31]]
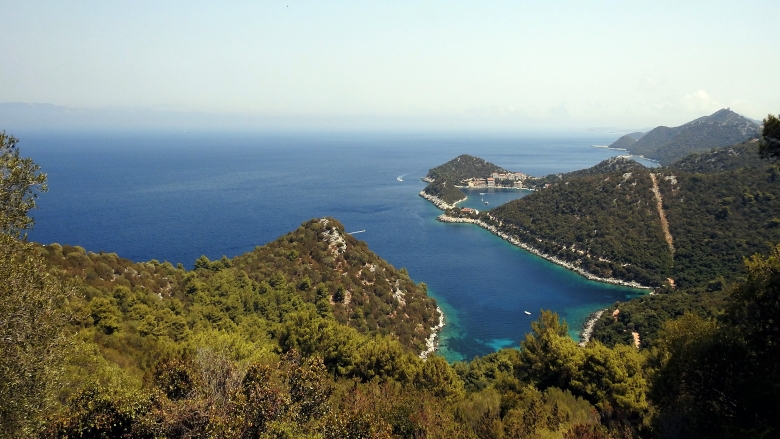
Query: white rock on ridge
[[336, 242]]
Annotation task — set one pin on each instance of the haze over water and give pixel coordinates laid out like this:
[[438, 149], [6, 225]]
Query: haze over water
[[177, 196]]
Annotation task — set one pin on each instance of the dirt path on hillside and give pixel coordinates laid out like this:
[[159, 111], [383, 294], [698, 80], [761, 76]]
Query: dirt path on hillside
[[660, 206]]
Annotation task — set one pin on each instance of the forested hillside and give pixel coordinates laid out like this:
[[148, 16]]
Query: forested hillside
[[463, 167], [619, 164], [364, 290], [667, 145], [720, 218], [445, 190], [444, 178], [604, 221], [737, 156], [720, 206], [318, 264], [305, 337]]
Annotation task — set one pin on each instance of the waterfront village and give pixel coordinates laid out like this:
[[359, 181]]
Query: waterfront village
[[496, 180]]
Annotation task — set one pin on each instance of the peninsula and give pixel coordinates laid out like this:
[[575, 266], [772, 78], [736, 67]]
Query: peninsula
[[669, 144], [313, 335], [677, 226], [466, 171]]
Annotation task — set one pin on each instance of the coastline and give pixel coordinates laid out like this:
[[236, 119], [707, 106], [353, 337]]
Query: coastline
[[514, 241], [494, 187], [628, 153], [432, 342], [441, 204], [608, 147], [587, 327]]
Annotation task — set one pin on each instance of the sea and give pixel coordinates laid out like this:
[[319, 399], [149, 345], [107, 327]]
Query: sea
[[174, 196]]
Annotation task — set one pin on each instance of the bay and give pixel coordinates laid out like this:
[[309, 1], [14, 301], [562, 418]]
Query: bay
[[176, 196]]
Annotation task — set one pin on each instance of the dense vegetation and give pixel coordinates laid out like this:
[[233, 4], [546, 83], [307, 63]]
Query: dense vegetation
[[732, 157], [444, 178], [603, 220], [464, 167], [266, 345], [625, 142], [317, 267], [619, 164], [646, 315], [721, 207], [714, 354], [445, 190], [718, 219], [667, 145]]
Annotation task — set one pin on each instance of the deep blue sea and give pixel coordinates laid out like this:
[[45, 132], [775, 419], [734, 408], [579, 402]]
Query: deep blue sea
[[176, 196]]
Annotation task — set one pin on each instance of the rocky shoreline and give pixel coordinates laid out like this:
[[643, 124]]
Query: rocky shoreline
[[432, 343], [587, 327], [438, 202], [513, 240]]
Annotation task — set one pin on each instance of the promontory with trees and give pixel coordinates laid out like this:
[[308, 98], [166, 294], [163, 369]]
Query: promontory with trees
[[314, 336], [446, 180]]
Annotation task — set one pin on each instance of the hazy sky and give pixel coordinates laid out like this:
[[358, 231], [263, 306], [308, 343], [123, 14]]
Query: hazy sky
[[447, 64]]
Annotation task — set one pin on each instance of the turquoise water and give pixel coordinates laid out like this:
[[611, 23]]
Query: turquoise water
[[488, 312], [476, 198], [175, 196]]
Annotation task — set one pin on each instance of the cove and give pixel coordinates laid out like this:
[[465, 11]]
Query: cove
[[176, 196]]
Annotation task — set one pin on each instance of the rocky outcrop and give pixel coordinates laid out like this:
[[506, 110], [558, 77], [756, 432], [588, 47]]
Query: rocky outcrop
[[438, 202], [432, 343], [587, 327]]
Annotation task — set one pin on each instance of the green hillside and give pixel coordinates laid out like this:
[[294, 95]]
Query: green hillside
[[721, 207], [463, 167], [602, 220], [737, 156], [624, 142], [314, 336], [317, 265], [619, 164], [720, 129], [444, 178], [445, 190]]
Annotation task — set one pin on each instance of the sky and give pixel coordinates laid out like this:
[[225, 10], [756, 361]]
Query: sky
[[439, 65]]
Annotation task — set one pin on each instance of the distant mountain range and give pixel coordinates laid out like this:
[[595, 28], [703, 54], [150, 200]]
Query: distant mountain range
[[667, 145]]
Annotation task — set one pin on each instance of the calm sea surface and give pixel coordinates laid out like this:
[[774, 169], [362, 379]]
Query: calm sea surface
[[175, 197]]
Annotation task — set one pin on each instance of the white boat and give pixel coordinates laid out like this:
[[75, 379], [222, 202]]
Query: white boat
[[528, 313], [399, 178]]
